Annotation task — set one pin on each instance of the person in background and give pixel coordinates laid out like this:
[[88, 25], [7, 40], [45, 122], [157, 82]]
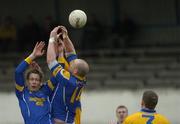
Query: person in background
[[121, 114], [147, 114]]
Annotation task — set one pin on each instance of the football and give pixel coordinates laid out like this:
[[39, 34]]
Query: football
[[77, 18]]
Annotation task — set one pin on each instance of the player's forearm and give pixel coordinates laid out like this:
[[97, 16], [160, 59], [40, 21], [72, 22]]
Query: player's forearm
[[60, 55], [24, 65], [19, 72], [32, 56], [51, 54], [69, 47]]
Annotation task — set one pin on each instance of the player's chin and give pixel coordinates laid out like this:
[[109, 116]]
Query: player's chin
[[34, 88]]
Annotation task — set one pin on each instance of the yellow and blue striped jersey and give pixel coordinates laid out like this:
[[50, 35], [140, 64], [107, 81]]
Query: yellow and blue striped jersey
[[66, 104], [35, 106], [146, 116], [65, 64]]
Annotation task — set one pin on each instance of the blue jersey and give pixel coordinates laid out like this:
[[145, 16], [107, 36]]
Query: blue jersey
[[66, 99], [35, 106]]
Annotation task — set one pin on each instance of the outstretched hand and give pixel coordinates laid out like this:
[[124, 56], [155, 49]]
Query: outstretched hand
[[55, 33], [64, 32], [38, 49]]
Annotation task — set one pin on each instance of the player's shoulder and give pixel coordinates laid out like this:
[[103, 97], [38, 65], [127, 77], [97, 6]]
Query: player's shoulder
[[133, 116], [162, 118], [66, 74]]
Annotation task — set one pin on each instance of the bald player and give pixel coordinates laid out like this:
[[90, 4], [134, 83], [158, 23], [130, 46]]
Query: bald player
[[66, 100], [148, 114]]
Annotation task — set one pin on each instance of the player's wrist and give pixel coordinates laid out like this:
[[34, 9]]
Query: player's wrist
[[52, 40], [32, 56], [29, 59], [60, 54], [52, 64]]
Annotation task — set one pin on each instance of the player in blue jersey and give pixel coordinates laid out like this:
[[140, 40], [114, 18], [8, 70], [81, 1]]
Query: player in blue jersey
[[66, 101], [33, 96]]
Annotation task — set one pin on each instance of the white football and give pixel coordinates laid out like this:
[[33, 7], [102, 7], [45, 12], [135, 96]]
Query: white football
[[77, 18]]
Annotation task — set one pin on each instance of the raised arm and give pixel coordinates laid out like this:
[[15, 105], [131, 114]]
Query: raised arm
[[57, 70], [69, 47], [19, 72], [51, 52], [70, 51], [60, 52], [51, 84]]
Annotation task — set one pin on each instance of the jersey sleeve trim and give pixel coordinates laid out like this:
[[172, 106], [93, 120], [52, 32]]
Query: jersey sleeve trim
[[80, 77], [71, 57], [50, 85], [65, 74], [19, 88], [56, 70], [28, 60]]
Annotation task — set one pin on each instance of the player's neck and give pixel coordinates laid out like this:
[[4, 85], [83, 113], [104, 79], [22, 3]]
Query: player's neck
[[148, 110]]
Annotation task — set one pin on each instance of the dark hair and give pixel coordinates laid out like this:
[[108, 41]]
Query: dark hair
[[35, 71], [150, 99], [121, 106]]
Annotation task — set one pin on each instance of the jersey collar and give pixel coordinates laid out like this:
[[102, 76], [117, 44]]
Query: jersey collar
[[148, 110], [80, 78]]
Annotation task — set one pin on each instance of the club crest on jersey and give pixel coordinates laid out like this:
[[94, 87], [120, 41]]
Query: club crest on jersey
[[38, 101]]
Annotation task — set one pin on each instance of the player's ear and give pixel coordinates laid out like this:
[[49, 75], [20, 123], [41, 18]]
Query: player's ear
[[142, 103], [75, 71]]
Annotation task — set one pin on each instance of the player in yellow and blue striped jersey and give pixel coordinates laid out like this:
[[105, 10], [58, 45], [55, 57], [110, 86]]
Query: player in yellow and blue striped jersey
[[66, 100], [33, 97], [148, 114], [70, 55]]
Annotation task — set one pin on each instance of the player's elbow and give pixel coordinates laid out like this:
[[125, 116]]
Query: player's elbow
[[17, 71], [49, 59]]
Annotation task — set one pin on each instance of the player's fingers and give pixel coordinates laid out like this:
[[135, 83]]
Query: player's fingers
[[63, 28], [42, 52], [56, 29], [36, 45], [41, 45], [58, 35]]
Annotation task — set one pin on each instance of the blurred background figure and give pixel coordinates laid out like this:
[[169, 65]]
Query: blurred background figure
[[48, 25], [8, 34], [121, 114], [124, 32], [92, 34], [29, 34]]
